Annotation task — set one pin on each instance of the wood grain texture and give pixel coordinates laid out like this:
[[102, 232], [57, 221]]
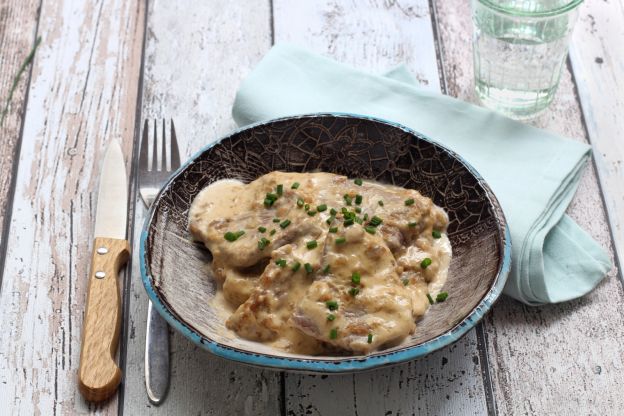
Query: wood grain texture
[[18, 22], [555, 359], [82, 94], [194, 61], [597, 57], [98, 374], [377, 36]]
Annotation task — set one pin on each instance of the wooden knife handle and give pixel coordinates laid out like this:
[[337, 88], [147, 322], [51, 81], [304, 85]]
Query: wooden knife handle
[[99, 375]]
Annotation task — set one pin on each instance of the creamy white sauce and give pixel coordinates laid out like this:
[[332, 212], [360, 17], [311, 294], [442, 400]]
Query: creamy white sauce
[[287, 309]]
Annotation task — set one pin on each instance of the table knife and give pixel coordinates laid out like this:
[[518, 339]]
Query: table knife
[[98, 374]]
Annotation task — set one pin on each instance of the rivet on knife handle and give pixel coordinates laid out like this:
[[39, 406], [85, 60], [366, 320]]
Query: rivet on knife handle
[[99, 375]]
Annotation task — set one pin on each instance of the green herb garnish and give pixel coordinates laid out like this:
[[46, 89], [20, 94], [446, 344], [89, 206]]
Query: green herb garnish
[[354, 291], [348, 222], [370, 338], [441, 296], [375, 221], [355, 278], [333, 230], [311, 213], [276, 220], [295, 266], [347, 199], [332, 305], [412, 224], [333, 334], [308, 267], [340, 240], [261, 229], [331, 317], [430, 299], [295, 185], [262, 243], [358, 199], [272, 232], [280, 189], [409, 202], [312, 244], [380, 202], [230, 236], [358, 181], [280, 262], [326, 269], [321, 208], [369, 229], [436, 234], [425, 263], [405, 282], [300, 202], [330, 219], [333, 212], [285, 223]]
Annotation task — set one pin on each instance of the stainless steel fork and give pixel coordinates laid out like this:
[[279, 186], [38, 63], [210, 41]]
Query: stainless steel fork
[[153, 171]]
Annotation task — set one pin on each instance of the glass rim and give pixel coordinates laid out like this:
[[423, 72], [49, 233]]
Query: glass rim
[[571, 5]]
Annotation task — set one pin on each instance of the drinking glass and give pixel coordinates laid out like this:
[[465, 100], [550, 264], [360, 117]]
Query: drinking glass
[[519, 48]]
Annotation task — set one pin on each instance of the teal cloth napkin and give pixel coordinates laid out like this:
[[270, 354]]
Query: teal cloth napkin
[[533, 173]]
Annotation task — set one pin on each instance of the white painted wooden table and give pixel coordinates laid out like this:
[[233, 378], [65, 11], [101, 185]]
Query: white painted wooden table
[[103, 66]]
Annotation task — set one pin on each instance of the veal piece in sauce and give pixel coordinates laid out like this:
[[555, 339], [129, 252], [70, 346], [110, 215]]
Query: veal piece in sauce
[[319, 263]]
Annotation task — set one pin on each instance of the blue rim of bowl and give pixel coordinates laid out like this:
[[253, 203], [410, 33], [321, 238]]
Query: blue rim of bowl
[[340, 364]]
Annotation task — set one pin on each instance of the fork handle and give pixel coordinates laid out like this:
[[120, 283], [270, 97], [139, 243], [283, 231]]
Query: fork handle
[[156, 356]]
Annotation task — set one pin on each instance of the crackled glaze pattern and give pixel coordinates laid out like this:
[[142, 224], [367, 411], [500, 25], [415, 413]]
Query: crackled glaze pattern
[[341, 144]]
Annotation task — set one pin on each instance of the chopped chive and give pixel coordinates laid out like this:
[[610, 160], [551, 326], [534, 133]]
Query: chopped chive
[[354, 291], [358, 199], [326, 269], [271, 196], [300, 202], [425, 263], [230, 236], [306, 207], [295, 266], [333, 334], [280, 189], [358, 181], [380, 202], [276, 219], [281, 262], [441, 296], [436, 234], [308, 268], [348, 222], [344, 211], [311, 213], [365, 216], [321, 208], [333, 212], [430, 299], [312, 244], [405, 282], [412, 224], [262, 229], [268, 202], [347, 199], [262, 243], [285, 223], [340, 240], [272, 232], [358, 210], [332, 305], [330, 219], [331, 317], [409, 202], [375, 221], [333, 230], [295, 185], [370, 230], [358, 220], [355, 278], [370, 338]]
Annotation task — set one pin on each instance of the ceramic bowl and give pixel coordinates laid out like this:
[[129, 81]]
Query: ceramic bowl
[[176, 273]]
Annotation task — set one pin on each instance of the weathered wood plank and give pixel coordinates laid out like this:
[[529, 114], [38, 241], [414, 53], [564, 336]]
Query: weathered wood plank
[[82, 94], [194, 62], [556, 359], [18, 22], [377, 36], [597, 57]]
